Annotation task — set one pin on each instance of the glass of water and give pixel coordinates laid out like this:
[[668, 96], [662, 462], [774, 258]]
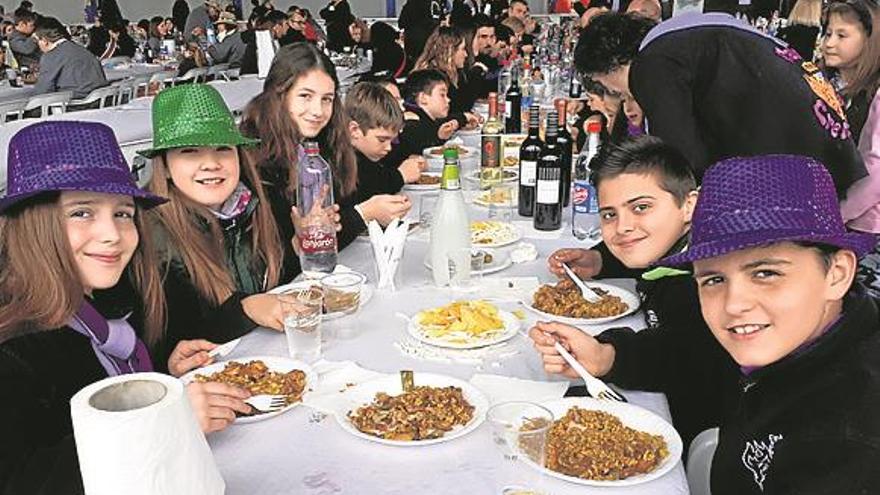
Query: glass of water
[[519, 430], [302, 311]]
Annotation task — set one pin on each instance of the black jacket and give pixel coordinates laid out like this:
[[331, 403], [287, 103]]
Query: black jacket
[[417, 134], [801, 38], [179, 13], [716, 92], [190, 316], [810, 423], [676, 354], [338, 17], [387, 54], [99, 38], [376, 178], [418, 19], [39, 373]]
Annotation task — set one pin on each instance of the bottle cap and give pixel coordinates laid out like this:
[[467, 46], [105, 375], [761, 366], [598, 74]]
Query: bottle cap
[[450, 154], [311, 147], [594, 127]]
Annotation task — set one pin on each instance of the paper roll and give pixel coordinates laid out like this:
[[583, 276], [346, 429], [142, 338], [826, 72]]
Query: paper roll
[[136, 434]]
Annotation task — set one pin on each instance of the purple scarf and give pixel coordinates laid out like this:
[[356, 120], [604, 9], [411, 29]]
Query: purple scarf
[[116, 345]]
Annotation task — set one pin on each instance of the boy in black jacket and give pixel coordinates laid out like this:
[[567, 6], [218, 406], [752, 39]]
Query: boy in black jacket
[[427, 107], [646, 197], [375, 120]]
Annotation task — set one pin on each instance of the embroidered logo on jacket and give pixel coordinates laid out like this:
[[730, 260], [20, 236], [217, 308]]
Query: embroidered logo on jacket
[[757, 457]]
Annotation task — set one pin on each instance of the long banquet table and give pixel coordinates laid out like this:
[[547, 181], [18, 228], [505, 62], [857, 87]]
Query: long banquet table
[[304, 451]]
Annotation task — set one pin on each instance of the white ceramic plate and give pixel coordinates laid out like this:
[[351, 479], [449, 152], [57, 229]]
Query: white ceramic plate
[[423, 187], [436, 152], [274, 363], [500, 261], [482, 199], [364, 394], [630, 298], [509, 176], [511, 327], [366, 294], [497, 234], [633, 416]]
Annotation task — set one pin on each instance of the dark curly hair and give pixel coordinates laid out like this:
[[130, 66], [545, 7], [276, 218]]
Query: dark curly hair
[[610, 41]]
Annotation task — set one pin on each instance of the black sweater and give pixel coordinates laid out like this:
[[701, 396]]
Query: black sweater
[[810, 423], [39, 373], [376, 178], [417, 134], [716, 92], [676, 354], [338, 17]]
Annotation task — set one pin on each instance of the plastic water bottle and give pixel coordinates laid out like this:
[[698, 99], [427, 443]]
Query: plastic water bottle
[[584, 201], [212, 36], [317, 231]]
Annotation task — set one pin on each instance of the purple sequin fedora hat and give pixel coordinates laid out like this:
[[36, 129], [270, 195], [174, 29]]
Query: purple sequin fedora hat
[[755, 201], [68, 156]]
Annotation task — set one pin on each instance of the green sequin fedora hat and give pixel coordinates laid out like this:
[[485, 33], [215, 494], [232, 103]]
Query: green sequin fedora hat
[[193, 115]]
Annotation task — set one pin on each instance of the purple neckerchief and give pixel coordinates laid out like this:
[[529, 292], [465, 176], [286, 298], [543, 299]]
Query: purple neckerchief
[[748, 370], [235, 204], [116, 345], [634, 130], [697, 19]]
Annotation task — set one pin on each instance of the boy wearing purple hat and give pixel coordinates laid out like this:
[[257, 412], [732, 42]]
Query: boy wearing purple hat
[[775, 272]]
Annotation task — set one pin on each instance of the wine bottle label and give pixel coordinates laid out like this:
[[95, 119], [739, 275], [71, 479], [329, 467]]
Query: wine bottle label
[[527, 172], [548, 192], [507, 109], [491, 150]]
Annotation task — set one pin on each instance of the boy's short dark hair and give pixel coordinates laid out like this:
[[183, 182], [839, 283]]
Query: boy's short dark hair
[[422, 81], [373, 107], [276, 17], [22, 15], [50, 29], [610, 41], [482, 20], [648, 155], [503, 33]]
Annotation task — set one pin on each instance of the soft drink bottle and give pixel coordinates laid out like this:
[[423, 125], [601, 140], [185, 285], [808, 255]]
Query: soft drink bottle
[[584, 202], [316, 231]]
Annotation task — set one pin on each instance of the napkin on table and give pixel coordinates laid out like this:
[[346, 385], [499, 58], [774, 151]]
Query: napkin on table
[[504, 388], [335, 379]]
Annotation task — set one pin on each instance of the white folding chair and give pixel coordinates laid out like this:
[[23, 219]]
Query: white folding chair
[[192, 76], [103, 96], [215, 72], [12, 108], [699, 461], [49, 101], [231, 74]]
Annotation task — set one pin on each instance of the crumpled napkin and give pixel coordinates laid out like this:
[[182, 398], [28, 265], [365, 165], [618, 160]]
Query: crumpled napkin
[[336, 378], [504, 388]]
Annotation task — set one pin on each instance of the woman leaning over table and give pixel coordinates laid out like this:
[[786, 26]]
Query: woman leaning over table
[[299, 102], [220, 246], [851, 53], [80, 299]]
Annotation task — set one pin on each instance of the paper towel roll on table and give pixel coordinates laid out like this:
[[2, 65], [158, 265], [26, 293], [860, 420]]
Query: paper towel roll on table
[[136, 434]]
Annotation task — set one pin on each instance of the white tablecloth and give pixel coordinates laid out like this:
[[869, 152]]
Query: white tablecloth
[[304, 452], [131, 122]]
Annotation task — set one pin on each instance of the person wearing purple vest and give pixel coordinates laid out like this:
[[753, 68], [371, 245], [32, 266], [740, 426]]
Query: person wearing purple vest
[[81, 298]]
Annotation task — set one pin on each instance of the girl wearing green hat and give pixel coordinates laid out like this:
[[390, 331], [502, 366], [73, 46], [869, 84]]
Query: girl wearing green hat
[[300, 102], [220, 246]]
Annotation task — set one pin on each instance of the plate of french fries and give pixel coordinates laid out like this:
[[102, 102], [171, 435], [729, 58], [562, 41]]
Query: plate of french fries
[[463, 325]]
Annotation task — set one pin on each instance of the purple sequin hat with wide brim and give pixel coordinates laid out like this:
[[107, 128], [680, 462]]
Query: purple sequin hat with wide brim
[[68, 156], [760, 200]]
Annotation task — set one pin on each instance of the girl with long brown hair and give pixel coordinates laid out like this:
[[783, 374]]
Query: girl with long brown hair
[[80, 298], [300, 102], [446, 51], [220, 246], [851, 53]]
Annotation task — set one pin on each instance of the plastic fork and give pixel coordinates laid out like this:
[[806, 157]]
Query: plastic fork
[[596, 387], [586, 292], [267, 403]]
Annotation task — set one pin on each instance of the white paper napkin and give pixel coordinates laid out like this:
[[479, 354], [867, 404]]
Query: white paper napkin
[[530, 232], [336, 377], [514, 288], [504, 388], [388, 249]]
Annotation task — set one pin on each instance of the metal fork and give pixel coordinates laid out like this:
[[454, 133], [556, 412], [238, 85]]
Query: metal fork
[[267, 403], [596, 387], [586, 292]]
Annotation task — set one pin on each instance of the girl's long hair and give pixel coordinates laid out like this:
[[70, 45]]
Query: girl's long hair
[[439, 51], [40, 285], [266, 117], [202, 251], [866, 14]]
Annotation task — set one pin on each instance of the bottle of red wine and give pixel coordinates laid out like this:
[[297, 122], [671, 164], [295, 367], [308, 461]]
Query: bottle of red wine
[[548, 201], [566, 145], [529, 154], [512, 106]]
